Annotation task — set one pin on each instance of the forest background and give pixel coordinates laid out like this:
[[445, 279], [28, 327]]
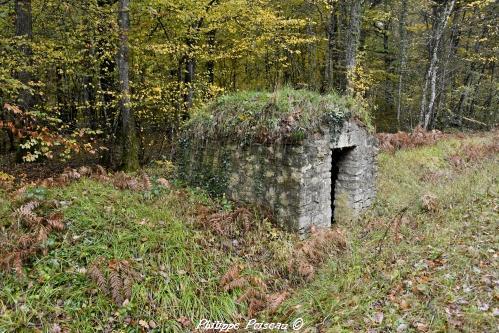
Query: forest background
[[119, 78]]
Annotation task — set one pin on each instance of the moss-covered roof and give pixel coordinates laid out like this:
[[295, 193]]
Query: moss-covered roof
[[285, 115]]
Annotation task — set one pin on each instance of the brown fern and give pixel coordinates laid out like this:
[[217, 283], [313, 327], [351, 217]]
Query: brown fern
[[18, 264], [116, 285], [119, 281], [127, 287], [98, 277], [232, 274], [146, 181], [251, 294], [312, 252], [100, 171], [84, 171], [255, 306], [275, 300], [257, 282], [26, 215], [42, 234], [55, 221], [237, 283], [27, 238]]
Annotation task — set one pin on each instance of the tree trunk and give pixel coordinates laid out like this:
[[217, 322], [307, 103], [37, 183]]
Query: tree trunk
[[447, 74], [24, 29], [471, 75], [402, 56], [332, 41], [108, 113], [190, 68], [129, 135], [211, 63], [352, 43], [429, 91]]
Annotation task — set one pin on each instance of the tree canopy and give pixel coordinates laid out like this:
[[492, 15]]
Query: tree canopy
[[62, 77]]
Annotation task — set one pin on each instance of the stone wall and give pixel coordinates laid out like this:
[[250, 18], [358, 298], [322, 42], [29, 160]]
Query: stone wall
[[292, 181], [357, 170], [267, 176]]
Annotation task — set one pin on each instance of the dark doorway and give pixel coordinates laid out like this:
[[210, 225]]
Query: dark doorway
[[338, 156]]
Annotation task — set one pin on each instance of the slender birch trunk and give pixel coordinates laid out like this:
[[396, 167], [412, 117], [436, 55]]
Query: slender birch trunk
[[402, 56], [429, 91]]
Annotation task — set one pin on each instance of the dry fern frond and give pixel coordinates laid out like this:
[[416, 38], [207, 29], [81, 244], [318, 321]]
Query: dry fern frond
[[430, 203], [258, 282], [18, 264], [312, 252], [127, 287], [26, 214], [116, 285], [228, 224], [98, 277], [232, 274], [164, 182], [146, 182], [100, 171], [55, 221], [251, 294], [42, 234], [306, 270], [237, 283], [120, 278], [275, 300], [25, 241], [72, 174], [120, 180], [84, 171], [394, 141], [255, 306]]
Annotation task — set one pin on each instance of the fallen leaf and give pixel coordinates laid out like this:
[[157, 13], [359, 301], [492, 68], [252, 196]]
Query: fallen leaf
[[378, 317], [56, 329], [143, 323], [184, 321], [483, 306], [421, 327]]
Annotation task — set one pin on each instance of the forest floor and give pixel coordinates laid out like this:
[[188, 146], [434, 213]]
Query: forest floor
[[89, 251]]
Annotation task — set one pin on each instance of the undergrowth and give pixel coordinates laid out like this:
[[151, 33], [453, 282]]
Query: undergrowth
[[140, 254]]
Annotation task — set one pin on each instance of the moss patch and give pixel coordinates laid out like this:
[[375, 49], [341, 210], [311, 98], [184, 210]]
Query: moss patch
[[285, 115]]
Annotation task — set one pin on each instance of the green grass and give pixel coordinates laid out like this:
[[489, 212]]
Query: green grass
[[180, 279], [285, 114], [435, 272]]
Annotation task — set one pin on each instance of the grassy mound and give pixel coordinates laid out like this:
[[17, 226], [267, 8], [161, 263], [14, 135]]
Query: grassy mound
[[286, 114]]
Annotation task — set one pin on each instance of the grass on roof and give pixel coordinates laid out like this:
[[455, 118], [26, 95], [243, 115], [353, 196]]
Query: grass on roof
[[286, 114]]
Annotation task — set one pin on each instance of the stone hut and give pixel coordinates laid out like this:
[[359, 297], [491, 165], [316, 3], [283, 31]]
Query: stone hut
[[296, 153]]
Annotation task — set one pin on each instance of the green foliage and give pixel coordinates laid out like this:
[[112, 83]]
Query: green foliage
[[184, 54]]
